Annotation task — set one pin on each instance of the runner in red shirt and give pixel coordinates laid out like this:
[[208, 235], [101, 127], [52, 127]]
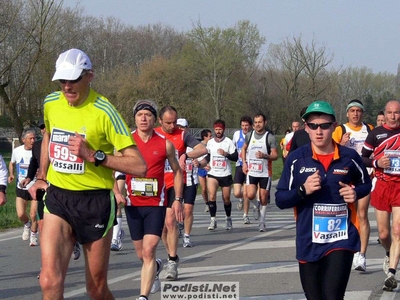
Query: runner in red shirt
[[146, 201], [181, 140]]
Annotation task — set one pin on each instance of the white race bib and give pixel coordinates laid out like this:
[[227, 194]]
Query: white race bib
[[329, 223], [61, 159], [144, 187], [218, 162]]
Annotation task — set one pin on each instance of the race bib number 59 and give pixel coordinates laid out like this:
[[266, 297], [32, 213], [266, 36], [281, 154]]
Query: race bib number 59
[[61, 159]]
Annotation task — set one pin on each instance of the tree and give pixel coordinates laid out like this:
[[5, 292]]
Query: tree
[[315, 61], [26, 39], [283, 69], [215, 54], [363, 84], [298, 74]]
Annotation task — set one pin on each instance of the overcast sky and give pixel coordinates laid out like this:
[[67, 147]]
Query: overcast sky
[[360, 33]]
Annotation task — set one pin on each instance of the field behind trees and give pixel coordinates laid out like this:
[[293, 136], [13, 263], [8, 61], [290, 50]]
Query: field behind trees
[[206, 72]]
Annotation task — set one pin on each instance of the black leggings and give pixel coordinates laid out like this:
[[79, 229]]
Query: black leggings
[[326, 279]]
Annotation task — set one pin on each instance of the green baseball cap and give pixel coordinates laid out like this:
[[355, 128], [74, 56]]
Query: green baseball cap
[[321, 107]]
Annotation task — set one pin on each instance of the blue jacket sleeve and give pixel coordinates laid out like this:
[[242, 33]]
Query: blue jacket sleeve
[[286, 195], [362, 182]]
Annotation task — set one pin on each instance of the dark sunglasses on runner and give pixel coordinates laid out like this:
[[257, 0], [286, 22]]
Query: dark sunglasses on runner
[[314, 126], [64, 81]]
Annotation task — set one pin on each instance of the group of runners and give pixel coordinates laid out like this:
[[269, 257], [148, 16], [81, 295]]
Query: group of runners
[[91, 164], [87, 151]]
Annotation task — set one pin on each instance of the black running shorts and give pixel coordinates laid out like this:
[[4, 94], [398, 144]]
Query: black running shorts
[[240, 177], [144, 220], [170, 195], [263, 182], [222, 181], [189, 194], [24, 194], [39, 197], [91, 214]]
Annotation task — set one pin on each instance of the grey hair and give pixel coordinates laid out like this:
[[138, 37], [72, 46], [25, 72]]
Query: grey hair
[[28, 131]]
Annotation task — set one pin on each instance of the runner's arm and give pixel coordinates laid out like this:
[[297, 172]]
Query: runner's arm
[[243, 153], [11, 171], [178, 181]]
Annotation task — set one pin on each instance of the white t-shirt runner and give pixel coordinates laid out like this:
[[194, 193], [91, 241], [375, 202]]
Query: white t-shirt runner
[[220, 166], [22, 158]]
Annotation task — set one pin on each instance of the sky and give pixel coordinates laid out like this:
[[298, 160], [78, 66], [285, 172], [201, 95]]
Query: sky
[[359, 33]]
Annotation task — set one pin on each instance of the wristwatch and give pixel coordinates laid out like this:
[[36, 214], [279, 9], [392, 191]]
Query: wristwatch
[[301, 191], [99, 157], [180, 199]]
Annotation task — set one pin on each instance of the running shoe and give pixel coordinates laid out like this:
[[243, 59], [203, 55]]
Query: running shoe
[[261, 227], [240, 204], [206, 208], [361, 263], [213, 224], [256, 211], [246, 220], [157, 284], [355, 259], [26, 233], [390, 282], [172, 270], [33, 239], [76, 252], [385, 266], [142, 298], [228, 223], [186, 242], [116, 245]]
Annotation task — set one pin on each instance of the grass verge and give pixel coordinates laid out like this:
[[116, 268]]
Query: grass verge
[[8, 214]]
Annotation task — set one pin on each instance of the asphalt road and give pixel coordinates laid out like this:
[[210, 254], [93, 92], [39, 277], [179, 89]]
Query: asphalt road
[[263, 264]]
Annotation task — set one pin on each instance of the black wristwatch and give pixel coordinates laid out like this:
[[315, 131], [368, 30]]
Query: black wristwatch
[[180, 199], [99, 157], [301, 191]]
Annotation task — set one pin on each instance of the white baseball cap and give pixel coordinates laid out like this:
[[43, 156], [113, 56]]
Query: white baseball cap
[[182, 122], [70, 64]]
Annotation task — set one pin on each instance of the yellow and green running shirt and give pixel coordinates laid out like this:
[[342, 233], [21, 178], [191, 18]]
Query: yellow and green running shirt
[[99, 123]]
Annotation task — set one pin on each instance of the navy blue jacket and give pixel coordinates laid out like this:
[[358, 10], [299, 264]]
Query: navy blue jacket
[[346, 167]]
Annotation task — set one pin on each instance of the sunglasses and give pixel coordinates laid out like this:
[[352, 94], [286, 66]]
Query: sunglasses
[[314, 126], [64, 81]]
